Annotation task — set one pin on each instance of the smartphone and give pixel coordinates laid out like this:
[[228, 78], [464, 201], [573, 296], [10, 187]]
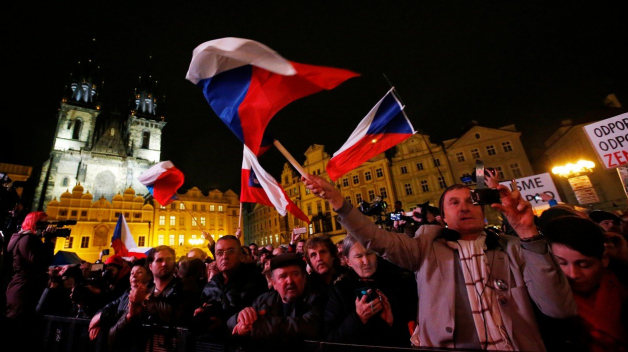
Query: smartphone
[[105, 252], [538, 198], [300, 230], [395, 216], [365, 291], [485, 196], [98, 266]]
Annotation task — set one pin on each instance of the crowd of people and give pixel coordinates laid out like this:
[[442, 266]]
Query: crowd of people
[[556, 282]]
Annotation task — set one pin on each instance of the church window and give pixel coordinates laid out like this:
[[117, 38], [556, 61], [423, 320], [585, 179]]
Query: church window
[[66, 182], [85, 242], [145, 139], [69, 124], [77, 129]]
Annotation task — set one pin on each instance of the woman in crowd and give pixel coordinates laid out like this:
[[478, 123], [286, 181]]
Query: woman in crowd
[[373, 303]]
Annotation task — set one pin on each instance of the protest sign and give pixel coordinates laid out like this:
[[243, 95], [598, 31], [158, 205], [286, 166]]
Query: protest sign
[[610, 140], [534, 185]]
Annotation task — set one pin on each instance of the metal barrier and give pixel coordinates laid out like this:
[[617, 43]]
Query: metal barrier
[[61, 334]]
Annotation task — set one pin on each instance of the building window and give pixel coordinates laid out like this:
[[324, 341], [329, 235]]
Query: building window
[[383, 193], [379, 172], [202, 207], [63, 212], [404, 170], [516, 171], [436, 162], [181, 206], [173, 220], [441, 183], [424, 186], [345, 182], [475, 153], [181, 240], [460, 157], [307, 191], [367, 176], [356, 179], [85, 242], [141, 241], [319, 207], [507, 147], [74, 213], [171, 240], [162, 220], [419, 166], [127, 215], [137, 215], [181, 220], [490, 149], [76, 134], [69, 242], [309, 210], [500, 172], [194, 207], [66, 182], [160, 240], [203, 221], [408, 188], [173, 206], [220, 208], [371, 195], [145, 139], [358, 198], [348, 198], [212, 207]]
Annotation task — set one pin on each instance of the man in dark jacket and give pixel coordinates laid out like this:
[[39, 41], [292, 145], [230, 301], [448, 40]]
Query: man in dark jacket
[[285, 316], [236, 287]]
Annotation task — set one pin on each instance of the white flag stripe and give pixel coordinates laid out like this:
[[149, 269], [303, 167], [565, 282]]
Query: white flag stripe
[[269, 184], [149, 176]]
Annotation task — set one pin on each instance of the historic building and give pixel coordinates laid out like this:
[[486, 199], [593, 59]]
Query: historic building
[[499, 148], [104, 151], [420, 172], [178, 225]]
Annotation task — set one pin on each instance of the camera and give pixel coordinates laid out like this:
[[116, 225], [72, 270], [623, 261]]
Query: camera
[[395, 216], [485, 196], [59, 232], [474, 173]]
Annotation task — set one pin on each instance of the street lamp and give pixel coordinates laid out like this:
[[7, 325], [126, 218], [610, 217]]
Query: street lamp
[[576, 175]]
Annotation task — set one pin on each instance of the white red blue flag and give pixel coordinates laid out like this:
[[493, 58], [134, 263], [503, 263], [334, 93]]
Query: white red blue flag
[[162, 181], [260, 187], [246, 83], [122, 241], [385, 126]]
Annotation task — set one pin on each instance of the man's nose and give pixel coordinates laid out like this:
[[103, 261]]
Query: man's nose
[[572, 271]]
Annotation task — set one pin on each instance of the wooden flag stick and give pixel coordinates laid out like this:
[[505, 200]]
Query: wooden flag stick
[[193, 218], [292, 161], [240, 217]]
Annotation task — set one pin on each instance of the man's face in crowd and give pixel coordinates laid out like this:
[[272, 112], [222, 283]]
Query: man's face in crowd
[[320, 259], [584, 273], [460, 213], [163, 265], [289, 282], [228, 254], [300, 246], [610, 226], [253, 249]]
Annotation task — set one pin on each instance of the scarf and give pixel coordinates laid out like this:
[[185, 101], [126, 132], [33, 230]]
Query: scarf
[[484, 309]]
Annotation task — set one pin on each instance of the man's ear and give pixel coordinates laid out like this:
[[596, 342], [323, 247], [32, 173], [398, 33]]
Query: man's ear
[[606, 258]]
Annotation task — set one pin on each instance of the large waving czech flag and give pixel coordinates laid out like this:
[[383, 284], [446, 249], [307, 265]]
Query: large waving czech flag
[[260, 187], [385, 126], [246, 83]]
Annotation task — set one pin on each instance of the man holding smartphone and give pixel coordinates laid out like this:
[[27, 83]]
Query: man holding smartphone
[[476, 288]]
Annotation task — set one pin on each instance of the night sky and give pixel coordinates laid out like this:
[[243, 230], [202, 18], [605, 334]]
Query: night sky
[[499, 63]]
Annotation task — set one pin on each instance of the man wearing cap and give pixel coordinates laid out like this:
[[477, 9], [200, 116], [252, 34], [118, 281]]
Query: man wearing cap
[[288, 314], [609, 221], [235, 287]]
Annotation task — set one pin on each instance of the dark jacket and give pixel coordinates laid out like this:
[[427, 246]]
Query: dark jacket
[[31, 259], [342, 323], [224, 300], [274, 327]]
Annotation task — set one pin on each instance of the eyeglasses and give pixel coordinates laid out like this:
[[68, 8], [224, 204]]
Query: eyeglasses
[[229, 252]]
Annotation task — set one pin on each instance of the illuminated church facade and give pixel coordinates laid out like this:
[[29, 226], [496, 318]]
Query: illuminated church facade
[[102, 151]]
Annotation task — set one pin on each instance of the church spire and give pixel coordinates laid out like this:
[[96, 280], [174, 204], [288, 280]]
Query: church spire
[[83, 90], [146, 102]]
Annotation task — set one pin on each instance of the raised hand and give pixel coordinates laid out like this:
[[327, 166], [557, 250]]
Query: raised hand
[[517, 210]]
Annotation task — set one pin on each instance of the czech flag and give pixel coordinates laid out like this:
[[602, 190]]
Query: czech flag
[[162, 180], [385, 126], [122, 241], [260, 187], [246, 83]]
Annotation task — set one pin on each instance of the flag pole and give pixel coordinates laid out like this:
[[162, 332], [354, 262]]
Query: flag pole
[[240, 217], [193, 218], [292, 161]]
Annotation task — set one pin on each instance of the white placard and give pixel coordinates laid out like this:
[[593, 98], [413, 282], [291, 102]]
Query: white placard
[[610, 140], [533, 185]]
